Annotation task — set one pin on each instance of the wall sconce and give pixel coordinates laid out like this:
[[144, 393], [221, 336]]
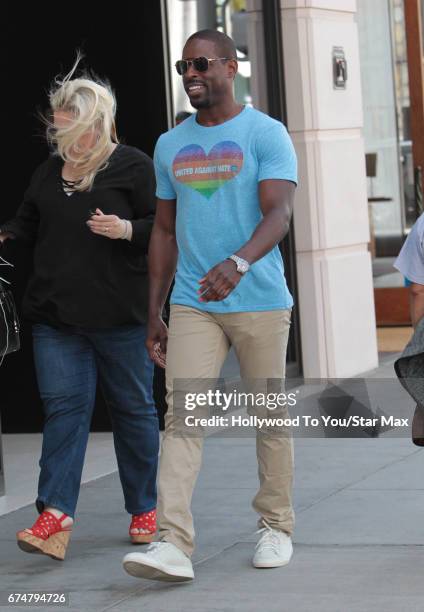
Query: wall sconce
[[339, 68]]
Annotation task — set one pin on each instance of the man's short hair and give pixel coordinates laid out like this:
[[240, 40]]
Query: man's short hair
[[224, 45]]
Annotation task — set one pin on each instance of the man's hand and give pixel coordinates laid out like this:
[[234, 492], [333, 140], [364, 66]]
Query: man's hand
[[109, 226], [156, 341], [219, 282]]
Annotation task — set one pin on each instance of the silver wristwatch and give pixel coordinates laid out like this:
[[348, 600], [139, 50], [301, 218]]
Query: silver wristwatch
[[242, 265]]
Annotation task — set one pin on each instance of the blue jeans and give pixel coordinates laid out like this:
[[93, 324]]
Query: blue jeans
[[67, 366]]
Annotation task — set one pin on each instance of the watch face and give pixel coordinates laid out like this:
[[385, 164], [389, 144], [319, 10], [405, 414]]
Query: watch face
[[242, 267]]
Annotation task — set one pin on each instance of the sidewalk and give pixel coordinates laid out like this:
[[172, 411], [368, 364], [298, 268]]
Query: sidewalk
[[359, 539]]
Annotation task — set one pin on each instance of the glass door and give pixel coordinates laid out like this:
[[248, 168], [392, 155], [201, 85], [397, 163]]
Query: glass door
[[388, 159]]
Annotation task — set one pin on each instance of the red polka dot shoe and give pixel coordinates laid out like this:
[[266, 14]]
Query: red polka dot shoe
[[143, 527], [46, 536]]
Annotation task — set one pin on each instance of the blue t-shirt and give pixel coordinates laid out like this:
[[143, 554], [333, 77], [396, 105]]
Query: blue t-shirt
[[213, 173], [410, 260]]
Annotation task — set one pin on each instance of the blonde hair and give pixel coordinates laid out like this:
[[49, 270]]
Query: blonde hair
[[92, 105]]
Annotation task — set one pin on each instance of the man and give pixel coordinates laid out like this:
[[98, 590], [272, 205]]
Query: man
[[410, 365], [410, 262], [225, 185]]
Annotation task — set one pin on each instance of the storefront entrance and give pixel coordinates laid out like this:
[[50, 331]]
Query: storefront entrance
[[124, 46]]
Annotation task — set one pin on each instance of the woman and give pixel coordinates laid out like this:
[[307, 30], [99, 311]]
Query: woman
[[89, 211]]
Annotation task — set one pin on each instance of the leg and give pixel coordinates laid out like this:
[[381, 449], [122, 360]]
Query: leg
[[260, 341], [126, 378], [66, 375], [197, 347]]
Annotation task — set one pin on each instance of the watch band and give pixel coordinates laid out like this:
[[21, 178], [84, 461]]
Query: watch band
[[242, 265]]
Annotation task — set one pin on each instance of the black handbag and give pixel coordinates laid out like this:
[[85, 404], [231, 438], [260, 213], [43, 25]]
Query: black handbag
[[9, 322]]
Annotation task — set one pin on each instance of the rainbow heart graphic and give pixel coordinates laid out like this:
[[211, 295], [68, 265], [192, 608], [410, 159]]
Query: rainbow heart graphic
[[207, 173]]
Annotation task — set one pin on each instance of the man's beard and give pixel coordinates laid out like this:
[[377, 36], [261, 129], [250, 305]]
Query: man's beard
[[198, 104]]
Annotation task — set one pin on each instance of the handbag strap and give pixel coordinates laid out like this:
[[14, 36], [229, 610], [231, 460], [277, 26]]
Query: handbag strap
[[4, 290], [4, 262]]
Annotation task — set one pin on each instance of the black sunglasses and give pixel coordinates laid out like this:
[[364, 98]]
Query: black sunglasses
[[201, 64]]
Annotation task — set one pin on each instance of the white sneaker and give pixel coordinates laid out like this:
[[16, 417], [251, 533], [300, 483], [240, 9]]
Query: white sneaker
[[161, 561], [274, 548]]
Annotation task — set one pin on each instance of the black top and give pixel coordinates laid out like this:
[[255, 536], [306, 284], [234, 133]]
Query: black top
[[82, 279]]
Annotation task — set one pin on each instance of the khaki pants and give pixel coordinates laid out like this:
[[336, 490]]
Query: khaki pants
[[198, 344]]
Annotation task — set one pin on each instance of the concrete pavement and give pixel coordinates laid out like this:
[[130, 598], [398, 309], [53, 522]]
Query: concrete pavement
[[359, 539]]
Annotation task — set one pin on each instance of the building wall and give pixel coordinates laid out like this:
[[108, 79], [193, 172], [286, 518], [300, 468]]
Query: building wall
[[331, 215]]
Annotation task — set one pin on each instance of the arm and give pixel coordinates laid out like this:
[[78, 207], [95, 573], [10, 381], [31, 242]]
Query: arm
[[138, 230], [416, 303], [162, 259], [276, 203], [24, 226]]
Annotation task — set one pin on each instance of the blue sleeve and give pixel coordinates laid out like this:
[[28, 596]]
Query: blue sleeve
[[276, 154], [410, 261], [164, 187]]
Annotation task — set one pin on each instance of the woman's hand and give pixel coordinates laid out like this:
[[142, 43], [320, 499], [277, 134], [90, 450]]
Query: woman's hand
[[4, 236], [109, 226]]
